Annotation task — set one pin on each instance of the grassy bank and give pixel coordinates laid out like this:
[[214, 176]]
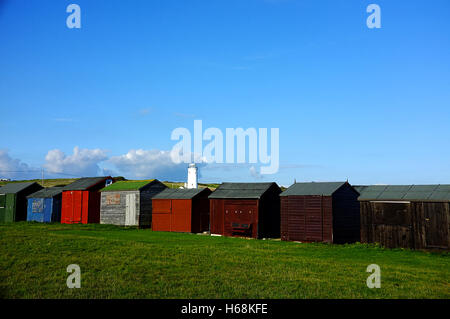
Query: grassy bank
[[130, 263]]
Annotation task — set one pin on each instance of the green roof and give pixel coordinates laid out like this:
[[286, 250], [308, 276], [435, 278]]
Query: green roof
[[84, 183], [440, 193], [241, 190], [46, 192], [359, 188], [126, 186], [180, 193], [13, 188], [313, 188]]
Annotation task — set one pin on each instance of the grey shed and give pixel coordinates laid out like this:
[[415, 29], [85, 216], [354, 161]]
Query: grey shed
[[129, 203]]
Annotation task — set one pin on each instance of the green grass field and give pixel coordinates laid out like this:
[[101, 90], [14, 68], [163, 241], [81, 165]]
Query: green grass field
[[130, 263]]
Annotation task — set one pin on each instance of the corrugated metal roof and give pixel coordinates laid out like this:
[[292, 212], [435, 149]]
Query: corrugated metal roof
[[313, 188], [126, 186], [241, 190], [46, 192], [359, 188], [179, 193], [406, 193], [394, 191], [84, 183], [13, 188]]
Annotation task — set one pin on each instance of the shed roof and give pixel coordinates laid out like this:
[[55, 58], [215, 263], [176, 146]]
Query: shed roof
[[84, 183], [359, 188], [13, 188], [48, 192], [179, 193], [406, 193], [313, 188], [126, 186], [241, 190]]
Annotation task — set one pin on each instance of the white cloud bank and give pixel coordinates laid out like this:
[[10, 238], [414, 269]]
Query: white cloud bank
[[83, 162], [135, 164], [150, 164], [15, 168]]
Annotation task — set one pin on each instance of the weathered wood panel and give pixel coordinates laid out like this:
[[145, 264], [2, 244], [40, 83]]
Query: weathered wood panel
[[113, 208], [419, 225]]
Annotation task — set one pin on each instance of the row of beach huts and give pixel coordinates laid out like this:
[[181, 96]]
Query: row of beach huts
[[407, 216]]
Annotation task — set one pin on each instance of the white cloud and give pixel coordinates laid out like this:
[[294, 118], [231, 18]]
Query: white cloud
[[83, 162], [150, 164], [137, 163], [15, 168]]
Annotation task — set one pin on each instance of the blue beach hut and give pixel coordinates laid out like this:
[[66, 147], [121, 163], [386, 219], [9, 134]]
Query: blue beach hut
[[45, 205]]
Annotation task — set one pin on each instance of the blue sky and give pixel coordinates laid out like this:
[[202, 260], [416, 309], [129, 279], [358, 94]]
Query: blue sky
[[370, 105]]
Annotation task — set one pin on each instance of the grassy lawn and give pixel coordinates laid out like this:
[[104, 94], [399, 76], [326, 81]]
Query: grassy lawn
[[130, 263]]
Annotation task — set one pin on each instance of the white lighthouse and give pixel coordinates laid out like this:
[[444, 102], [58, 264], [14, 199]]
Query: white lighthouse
[[192, 181]]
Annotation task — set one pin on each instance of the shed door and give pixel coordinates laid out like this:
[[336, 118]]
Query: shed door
[[436, 225], [130, 210], [77, 206], [181, 215], [10, 208], [161, 214]]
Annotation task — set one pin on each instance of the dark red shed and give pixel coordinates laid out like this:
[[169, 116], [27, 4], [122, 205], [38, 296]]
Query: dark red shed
[[81, 200], [246, 209], [181, 210], [320, 212]]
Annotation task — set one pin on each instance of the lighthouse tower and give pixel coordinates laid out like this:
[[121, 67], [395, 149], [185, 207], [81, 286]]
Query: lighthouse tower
[[192, 181]]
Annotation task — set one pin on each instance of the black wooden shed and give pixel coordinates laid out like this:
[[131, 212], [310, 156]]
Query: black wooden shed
[[320, 212], [407, 216]]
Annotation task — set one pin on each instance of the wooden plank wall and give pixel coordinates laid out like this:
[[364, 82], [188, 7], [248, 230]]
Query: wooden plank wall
[[417, 225], [113, 207], [307, 218]]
